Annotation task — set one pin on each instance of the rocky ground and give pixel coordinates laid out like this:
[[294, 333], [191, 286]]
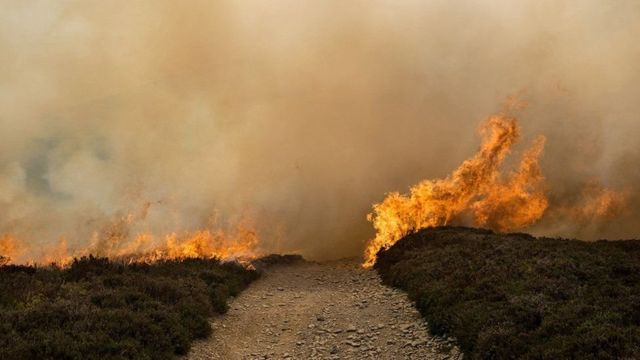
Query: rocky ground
[[331, 310]]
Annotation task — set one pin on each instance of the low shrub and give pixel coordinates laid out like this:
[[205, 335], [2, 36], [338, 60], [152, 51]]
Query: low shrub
[[275, 260], [101, 309], [508, 296]]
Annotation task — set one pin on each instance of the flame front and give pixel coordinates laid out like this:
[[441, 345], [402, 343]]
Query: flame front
[[476, 187], [478, 192], [239, 244], [238, 241]]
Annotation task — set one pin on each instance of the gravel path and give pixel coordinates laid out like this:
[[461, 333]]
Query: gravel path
[[321, 311]]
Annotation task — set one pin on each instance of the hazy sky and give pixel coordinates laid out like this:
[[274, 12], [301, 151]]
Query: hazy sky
[[303, 113]]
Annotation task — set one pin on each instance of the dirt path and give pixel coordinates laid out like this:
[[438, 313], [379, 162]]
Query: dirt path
[[321, 311]]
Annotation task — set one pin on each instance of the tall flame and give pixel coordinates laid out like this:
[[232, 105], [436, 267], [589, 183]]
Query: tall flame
[[478, 192], [476, 187]]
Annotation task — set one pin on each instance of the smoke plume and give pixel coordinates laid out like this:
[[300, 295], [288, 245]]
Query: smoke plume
[[301, 114]]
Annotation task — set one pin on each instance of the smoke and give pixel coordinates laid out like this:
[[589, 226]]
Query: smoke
[[301, 113]]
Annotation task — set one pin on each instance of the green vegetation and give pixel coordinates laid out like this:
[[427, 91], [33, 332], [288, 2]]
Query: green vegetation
[[514, 296], [99, 309]]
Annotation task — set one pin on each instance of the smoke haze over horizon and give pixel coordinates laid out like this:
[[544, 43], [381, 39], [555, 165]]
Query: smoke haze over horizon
[[302, 114]]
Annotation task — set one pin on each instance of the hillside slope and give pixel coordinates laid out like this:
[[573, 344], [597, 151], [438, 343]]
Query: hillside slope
[[516, 296]]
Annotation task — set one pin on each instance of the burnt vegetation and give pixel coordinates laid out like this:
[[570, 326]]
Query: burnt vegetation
[[508, 296], [97, 308]]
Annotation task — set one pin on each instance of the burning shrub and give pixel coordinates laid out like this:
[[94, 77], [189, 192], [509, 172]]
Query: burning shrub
[[514, 296], [482, 193], [98, 308]]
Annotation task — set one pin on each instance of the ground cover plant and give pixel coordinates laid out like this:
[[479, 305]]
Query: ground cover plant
[[101, 309], [511, 296]]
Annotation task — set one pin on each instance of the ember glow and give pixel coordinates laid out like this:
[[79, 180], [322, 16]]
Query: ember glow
[[482, 191]]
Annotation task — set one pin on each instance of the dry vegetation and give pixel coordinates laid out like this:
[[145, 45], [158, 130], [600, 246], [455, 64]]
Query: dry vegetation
[[97, 308], [516, 296]]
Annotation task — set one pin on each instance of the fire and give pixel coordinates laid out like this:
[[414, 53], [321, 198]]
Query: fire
[[58, 255], [478, 192], [240, 243], [8, 248], [518, 202], [237, 241], [595, 203], [476, 188]]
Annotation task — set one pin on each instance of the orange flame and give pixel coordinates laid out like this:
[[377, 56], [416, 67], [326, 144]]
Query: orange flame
[[8, 248], [476, 187], [238, 241], [59, 255], [596, 203], [518, 202], [492, 199]]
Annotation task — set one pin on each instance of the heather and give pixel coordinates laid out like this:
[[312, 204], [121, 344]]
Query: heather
[[508, 296], [102, 309]]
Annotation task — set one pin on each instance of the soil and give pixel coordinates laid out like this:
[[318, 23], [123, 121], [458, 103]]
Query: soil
[[333, 310]]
